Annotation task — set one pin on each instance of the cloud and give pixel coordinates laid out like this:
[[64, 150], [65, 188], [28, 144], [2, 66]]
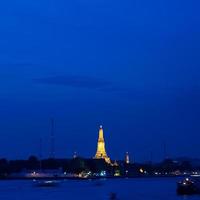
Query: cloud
[[93, 83], [77, 82]]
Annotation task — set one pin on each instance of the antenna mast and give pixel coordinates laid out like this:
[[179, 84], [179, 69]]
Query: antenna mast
[[52, 139]]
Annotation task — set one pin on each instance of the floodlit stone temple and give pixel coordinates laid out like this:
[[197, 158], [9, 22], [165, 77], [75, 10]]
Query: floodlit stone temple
[[101, 150]]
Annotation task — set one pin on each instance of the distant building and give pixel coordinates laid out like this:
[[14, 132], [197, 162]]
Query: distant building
[[101, 151]]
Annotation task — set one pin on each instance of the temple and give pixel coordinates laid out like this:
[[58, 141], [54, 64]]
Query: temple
[[101, 151]]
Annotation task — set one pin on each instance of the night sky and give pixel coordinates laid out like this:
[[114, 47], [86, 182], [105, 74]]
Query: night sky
[[132, 66]]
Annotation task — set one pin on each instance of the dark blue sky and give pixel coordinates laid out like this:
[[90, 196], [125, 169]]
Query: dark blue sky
[[131, 65]]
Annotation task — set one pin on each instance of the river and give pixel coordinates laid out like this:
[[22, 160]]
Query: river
[[125, 189]]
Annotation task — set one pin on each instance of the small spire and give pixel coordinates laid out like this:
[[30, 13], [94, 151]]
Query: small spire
[[115, 163], [75, 155], [127, 160]]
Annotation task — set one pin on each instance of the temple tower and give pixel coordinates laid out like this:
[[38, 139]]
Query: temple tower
[[101, 151]]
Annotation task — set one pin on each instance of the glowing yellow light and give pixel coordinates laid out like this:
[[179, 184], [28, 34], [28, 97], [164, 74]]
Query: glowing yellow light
[[141, 170]]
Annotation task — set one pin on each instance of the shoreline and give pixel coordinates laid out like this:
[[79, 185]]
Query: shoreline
[[88, 178]]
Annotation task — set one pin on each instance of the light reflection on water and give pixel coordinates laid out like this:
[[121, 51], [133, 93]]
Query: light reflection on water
[[126, 189]]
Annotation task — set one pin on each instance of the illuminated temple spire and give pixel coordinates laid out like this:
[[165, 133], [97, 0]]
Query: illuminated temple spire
[[101, 151]]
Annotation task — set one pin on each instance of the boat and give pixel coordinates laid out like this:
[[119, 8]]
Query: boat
[[113, 196], [189, 186], [98, 183], [46, 183]]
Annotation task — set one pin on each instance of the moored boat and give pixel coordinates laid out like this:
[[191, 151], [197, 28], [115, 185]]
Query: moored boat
[[98, 183], [46, 183], [189, 186]]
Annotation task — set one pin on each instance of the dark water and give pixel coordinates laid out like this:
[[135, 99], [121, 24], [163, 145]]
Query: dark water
[[126, 189]]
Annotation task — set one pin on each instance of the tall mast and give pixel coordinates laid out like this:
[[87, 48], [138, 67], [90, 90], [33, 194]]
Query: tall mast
[[164, 150], [52, 139], [40, 154]]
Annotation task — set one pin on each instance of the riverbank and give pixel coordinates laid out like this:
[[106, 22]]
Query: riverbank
[[86, 178]]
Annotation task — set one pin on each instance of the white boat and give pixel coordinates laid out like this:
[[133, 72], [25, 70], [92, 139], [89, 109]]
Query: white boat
[[189, 186]]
